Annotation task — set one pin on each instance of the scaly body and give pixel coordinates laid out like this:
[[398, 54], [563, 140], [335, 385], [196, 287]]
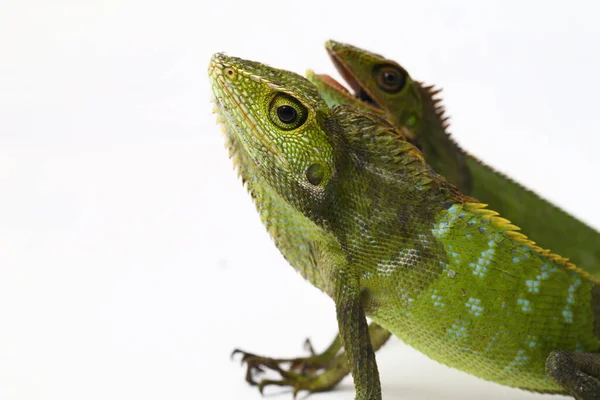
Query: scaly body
[[355, 208], [415, 108]]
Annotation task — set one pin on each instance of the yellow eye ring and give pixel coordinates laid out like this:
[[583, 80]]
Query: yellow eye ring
[[286, 112]]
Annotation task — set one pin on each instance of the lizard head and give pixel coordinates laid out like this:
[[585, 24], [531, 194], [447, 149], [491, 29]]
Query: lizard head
[[378, 83], [276, 120]]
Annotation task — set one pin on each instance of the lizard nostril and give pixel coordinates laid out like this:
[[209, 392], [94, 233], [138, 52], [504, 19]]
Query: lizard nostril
[[229, 72]]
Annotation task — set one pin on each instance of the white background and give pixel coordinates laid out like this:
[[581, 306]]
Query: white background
[[131, 259]]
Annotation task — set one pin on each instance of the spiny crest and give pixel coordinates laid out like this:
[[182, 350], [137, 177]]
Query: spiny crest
[[432, 100], [431, 95], [232, 147], [511, 230]]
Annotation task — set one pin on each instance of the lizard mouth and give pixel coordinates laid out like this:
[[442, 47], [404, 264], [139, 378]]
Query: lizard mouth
[[360, 92]]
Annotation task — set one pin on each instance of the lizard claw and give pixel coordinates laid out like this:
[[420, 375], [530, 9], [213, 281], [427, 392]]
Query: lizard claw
[[298, 382], [245, 355], [309, 347]]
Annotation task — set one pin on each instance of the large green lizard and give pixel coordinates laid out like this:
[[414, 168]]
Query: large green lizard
[[354, 207], [383, 85]]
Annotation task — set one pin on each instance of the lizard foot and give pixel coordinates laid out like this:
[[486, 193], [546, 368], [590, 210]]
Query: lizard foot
[[312, 376], [302, 365], [315, 373]]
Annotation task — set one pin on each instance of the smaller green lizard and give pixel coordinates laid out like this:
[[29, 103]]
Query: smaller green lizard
[[356, 210], [383, 86]]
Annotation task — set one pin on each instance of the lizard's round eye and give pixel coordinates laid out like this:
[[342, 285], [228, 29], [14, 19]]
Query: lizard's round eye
[[390, 78], [315, 174], [286, 112]]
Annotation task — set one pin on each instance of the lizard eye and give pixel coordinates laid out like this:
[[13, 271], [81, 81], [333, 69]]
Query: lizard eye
[[390, 78], [286, 112]]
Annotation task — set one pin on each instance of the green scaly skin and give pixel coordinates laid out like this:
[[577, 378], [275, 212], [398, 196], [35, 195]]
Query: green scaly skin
[[354, 207], [415, 107]]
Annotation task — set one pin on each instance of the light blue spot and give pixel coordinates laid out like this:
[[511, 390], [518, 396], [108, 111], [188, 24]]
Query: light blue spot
[[520, 360], [440, 229], [533, 286], [571, 293], [489, 253], [455, 209], [568, 315], [484, 260], [532, 340], [478, 270], [525, 305], [437, 300], [457, 331], [474, 306], [491, 345]]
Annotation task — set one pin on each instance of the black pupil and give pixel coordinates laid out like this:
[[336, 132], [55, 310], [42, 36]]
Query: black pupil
[[287, 114], [390, 77]]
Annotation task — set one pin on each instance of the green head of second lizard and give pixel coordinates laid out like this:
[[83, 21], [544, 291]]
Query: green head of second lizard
[[384, 85]]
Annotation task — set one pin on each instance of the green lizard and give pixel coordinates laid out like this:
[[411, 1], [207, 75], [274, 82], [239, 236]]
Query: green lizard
[[354, 207], [383, 85]]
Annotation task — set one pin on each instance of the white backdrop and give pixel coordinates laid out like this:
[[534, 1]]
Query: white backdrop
[[131, 259]]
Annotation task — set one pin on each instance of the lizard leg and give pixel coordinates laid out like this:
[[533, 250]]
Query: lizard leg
[[319, 376], [577, 373], [354, 332]]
